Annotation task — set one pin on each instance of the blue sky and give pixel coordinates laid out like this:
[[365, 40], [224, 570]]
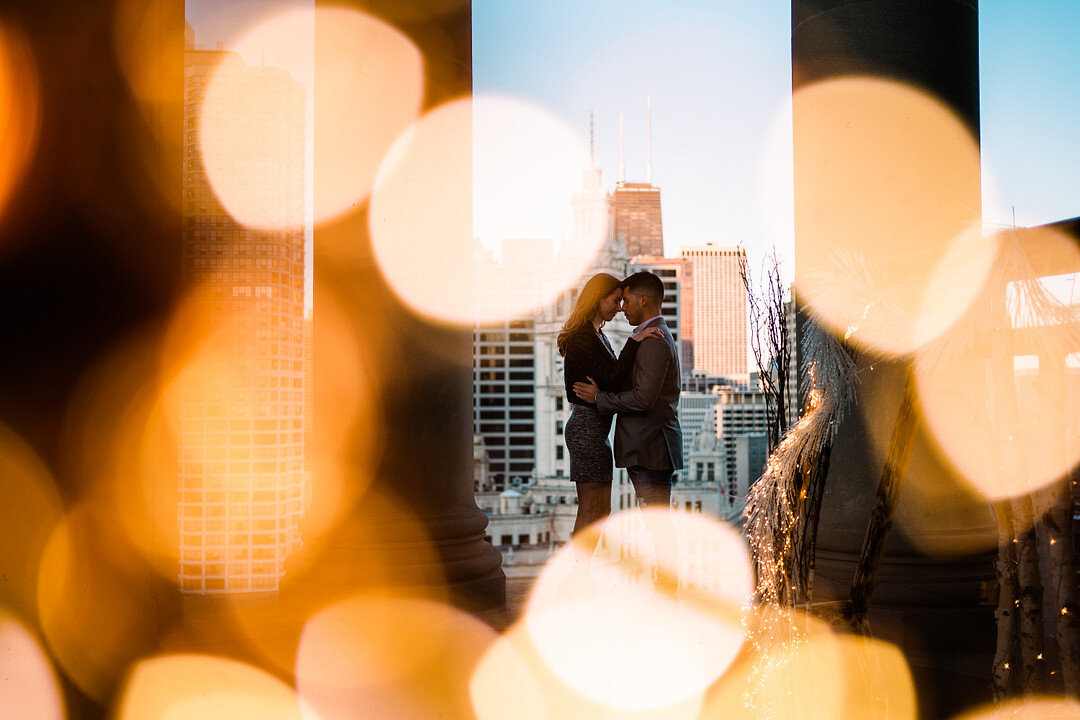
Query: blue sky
[[720, 80]]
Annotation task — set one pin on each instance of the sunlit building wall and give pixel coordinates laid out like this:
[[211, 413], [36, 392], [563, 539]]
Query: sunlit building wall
[[719, 314], [242, 474], [636, 219]]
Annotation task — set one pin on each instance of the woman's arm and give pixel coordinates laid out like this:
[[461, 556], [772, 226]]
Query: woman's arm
[[586, 356]]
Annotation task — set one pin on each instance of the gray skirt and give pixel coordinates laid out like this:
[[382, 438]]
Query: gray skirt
[[586, 435]]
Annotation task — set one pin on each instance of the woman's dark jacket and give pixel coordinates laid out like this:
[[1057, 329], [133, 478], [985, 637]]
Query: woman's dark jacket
[[587, 357]]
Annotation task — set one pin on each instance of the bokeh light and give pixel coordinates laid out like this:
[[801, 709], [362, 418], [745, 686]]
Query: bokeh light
[[97, 607], [30, 510], [598, 627], [349, 441], [389, 657], [504, 685], [201, 687], [993, 393], [28, 683], [513, 680], [19, 110], [456, 205], [938, 511], [803, 670], [887, 212], [1032, 708], [120, 443], [249, 149], [138, 42], [370, 83]]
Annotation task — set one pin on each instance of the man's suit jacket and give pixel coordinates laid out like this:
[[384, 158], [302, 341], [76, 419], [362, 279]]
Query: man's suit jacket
[[647, 431]]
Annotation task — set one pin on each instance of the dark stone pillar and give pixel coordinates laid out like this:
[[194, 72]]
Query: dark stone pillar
[[404, 518], [89, 258], [939, 556]]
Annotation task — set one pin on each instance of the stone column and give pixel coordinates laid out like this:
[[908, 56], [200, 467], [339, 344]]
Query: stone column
[[392, 467], [928, 594]]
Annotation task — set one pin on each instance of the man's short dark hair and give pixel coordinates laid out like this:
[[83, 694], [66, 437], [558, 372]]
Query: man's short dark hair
[[647, 284]]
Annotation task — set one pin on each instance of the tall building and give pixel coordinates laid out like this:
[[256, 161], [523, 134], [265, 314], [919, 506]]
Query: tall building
[[242, 472], [636, 220], [719, 313], [740, 412], [677, 275], [504, 361]]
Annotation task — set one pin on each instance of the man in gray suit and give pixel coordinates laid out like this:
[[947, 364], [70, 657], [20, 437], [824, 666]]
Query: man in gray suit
[[648, 439]]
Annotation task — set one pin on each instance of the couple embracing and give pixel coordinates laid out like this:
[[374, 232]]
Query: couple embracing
[[639, 387]]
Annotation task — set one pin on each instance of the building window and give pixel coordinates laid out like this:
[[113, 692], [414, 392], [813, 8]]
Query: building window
[[523, 539], [558, 427], [559, 452], [506, 540]]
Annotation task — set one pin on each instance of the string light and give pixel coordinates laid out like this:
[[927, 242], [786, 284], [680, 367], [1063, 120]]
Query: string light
[[774, 514]]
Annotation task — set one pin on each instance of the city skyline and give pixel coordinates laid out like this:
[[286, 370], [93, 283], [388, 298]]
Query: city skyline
[[720, 80]]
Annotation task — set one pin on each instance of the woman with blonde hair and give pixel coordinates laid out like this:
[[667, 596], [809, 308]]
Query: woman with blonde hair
[[588, 355]]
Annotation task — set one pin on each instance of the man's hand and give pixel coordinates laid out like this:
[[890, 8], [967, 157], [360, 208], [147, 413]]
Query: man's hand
[[587, 391]]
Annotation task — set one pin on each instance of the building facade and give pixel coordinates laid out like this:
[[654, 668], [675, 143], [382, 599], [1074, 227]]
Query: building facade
[[740, 412], [636, 218], [242, 421], [719, 313]]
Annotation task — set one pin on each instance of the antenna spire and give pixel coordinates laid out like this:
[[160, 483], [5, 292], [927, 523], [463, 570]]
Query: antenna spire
[[622, 165], [648, 140], [592, 143]]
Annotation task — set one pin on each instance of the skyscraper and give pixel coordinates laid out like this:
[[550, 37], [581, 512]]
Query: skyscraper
[[242, 474], [719, 313], [636, 218], [504, 360]]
